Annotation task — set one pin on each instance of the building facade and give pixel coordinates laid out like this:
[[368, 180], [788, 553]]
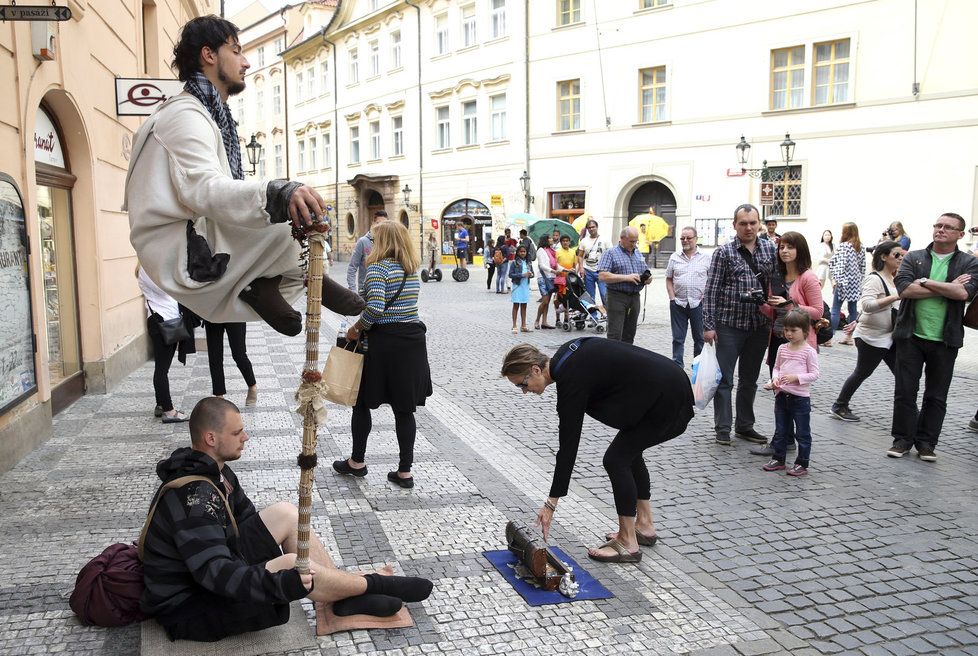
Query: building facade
[[614, 108], [74, 319]]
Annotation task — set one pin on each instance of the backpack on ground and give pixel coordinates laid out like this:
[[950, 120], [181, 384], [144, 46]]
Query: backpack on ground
[[108, 587]]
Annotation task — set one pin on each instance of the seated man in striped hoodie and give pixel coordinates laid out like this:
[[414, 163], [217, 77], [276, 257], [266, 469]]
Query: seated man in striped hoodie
[[209, 575]]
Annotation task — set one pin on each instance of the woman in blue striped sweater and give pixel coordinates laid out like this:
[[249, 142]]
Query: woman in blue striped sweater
[[395, 367]]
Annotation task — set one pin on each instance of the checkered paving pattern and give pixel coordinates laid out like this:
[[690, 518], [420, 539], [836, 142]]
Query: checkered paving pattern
[[866, 555]]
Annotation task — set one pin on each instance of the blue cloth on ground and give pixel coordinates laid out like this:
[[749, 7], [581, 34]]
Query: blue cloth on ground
[[504, 560]]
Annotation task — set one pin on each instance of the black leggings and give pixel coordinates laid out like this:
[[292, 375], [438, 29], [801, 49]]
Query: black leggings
[[215, 353], [162, 359], [868, 357], [404, 426], [491, 269], [772, 351], [625, 463]]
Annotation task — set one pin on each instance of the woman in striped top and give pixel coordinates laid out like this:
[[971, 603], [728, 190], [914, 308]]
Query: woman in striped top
[[848, 266], [395, 367]]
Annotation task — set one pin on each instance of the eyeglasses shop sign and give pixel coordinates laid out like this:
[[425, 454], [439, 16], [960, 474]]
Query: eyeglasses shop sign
[[141, 96]]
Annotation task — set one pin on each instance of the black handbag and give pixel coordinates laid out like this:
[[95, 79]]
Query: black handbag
[[172, 331]]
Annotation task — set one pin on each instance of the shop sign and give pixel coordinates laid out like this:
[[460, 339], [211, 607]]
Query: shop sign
[[47, 146], [34, 13], [139, 96], [434, 224], [17, 374], [767, 194], [496, 199]]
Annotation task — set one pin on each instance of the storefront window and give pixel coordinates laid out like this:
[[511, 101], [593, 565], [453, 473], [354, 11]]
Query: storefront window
[[476, 218], [17, 375], [566, 205]]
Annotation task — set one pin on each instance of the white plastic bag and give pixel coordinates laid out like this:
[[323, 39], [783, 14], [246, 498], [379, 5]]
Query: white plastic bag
[[706, 376]]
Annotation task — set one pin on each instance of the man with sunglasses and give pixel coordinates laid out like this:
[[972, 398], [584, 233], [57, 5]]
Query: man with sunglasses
[[685, 283], [934, 284]]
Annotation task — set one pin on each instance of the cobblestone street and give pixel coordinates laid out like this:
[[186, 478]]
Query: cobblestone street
[[866, 555]]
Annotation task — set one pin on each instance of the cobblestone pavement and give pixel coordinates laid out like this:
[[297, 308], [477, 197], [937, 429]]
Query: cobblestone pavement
[[866, 555]]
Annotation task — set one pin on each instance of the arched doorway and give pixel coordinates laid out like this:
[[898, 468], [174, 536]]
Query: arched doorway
[[476, 218], [375, 203], [405, 221], [657, 195]]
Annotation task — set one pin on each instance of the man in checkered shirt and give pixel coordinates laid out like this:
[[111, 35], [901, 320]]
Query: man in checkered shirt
[[735, 325]]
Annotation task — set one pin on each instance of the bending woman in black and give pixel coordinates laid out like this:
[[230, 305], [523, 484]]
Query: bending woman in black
[[642, 394]]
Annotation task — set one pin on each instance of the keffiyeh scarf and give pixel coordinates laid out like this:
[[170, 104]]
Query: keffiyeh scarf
[[203, 90]]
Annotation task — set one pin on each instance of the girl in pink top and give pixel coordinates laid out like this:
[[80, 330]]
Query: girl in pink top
[[795, 369]]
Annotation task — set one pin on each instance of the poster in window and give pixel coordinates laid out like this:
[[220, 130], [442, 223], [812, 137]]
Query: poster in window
[[17, 375]]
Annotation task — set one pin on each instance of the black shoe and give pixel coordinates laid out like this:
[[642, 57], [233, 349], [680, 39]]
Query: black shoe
[[723, 439], [339, 299], [406, 483], [897, 451], [751, 435], [343, 467], [926, 454], [842, 412], [158, 412], [264, 297], [973, 425]]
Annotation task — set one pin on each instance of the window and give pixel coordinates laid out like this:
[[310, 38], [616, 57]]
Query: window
[[299, 86], [498, 20], [279, 45], [327, 161], [653, 89], [324, 75], [649, 4], [313, 154], [396, 49], [468, 26], [787, 77], [279, 162], [354, 66], [373, 5], [831, 73], [261, 56], [374, 139], [277, 99], [568, 12], [311, 81], [240, 111], [261, 166], [441, 34], [354, 145], [470, 128], [260, 104], [397, 129], [787, 191], [374, 59], [302, 154], [569, 105], [443, 132], [497, 109], [566, 205]]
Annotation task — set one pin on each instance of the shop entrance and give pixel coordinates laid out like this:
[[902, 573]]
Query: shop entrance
[[657, 195], [477, 220], [54, 184]]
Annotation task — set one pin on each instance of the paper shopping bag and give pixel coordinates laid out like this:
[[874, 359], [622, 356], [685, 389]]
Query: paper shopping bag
[[342, 375]]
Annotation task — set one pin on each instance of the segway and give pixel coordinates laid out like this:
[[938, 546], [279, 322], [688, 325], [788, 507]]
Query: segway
[[432, 272], [458, 273]]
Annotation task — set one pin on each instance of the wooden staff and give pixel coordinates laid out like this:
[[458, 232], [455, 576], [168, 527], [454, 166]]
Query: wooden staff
[[311, 381]]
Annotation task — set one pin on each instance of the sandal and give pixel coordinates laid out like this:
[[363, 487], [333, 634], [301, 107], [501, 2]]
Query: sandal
[[526, 330], [546, 327], [343, 467], [644, 540], [516, 331], [623, 555]]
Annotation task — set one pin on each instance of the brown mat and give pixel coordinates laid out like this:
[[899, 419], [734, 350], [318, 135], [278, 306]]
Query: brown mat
[[327, 622], [294, 635]]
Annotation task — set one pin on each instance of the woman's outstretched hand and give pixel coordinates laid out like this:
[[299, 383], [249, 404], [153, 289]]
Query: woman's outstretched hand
[[544, 517]]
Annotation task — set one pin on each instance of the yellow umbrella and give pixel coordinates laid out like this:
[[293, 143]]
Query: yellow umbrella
[[656, 228], [581, 221]]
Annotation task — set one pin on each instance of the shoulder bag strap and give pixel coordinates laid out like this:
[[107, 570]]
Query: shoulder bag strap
[[400, 288], [172, 485], [886, 290]]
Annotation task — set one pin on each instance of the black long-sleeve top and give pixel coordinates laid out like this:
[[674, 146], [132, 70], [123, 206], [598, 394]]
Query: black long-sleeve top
[[617, 384]]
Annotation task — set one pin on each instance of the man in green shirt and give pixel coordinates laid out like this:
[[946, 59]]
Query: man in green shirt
[[934, 284]]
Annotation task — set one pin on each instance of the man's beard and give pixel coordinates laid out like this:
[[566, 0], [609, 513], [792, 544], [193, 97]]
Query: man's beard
[[233, 88]]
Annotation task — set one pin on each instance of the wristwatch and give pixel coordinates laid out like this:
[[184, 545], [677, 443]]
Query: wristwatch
[[923, 282]]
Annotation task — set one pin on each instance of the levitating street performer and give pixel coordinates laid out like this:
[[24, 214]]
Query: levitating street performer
[[216, 243], [210, 574], [642, 394]]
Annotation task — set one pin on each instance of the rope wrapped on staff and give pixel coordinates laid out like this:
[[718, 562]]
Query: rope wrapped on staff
[[311, 394]]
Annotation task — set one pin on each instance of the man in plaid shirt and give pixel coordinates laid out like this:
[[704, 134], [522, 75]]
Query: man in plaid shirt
[[736, 326]]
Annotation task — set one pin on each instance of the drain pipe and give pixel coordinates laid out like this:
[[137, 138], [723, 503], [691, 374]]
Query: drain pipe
[[420, 140], [526, 97], [335, 141]]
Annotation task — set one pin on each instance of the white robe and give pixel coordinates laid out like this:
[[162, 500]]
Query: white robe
[[179, 171]]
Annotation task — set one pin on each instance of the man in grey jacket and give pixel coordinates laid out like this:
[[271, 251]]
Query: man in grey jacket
[[934, 284], [356, 273]]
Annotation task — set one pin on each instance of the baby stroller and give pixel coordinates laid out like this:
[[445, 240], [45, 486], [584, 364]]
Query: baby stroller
[[584, 311]]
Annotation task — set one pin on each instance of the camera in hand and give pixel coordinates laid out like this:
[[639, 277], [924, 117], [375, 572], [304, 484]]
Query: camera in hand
[[890, 233], [645, 276], [754, 296]]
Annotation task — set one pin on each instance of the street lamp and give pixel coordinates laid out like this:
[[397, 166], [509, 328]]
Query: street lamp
[[254, 153], [407, 198], [525, 186], [743, 151], [787, 149]]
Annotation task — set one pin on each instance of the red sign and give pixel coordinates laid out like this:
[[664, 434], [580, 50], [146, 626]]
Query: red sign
[[434, 224], [767, 193]]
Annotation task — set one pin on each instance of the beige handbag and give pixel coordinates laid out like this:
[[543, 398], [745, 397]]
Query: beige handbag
[[342, 374]]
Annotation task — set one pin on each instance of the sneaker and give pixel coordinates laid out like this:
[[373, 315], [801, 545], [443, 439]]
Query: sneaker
[[897, 451], [973, 425], [751, 435], [766, 450], [774, 465], [723, 439], [797, 470], [842, 412], [926, 454]]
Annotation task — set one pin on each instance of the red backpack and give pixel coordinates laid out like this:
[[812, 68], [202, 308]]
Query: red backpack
[[108, 587]]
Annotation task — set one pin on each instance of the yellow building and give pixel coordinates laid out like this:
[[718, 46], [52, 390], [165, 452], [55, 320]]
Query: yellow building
[[73, 317]]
